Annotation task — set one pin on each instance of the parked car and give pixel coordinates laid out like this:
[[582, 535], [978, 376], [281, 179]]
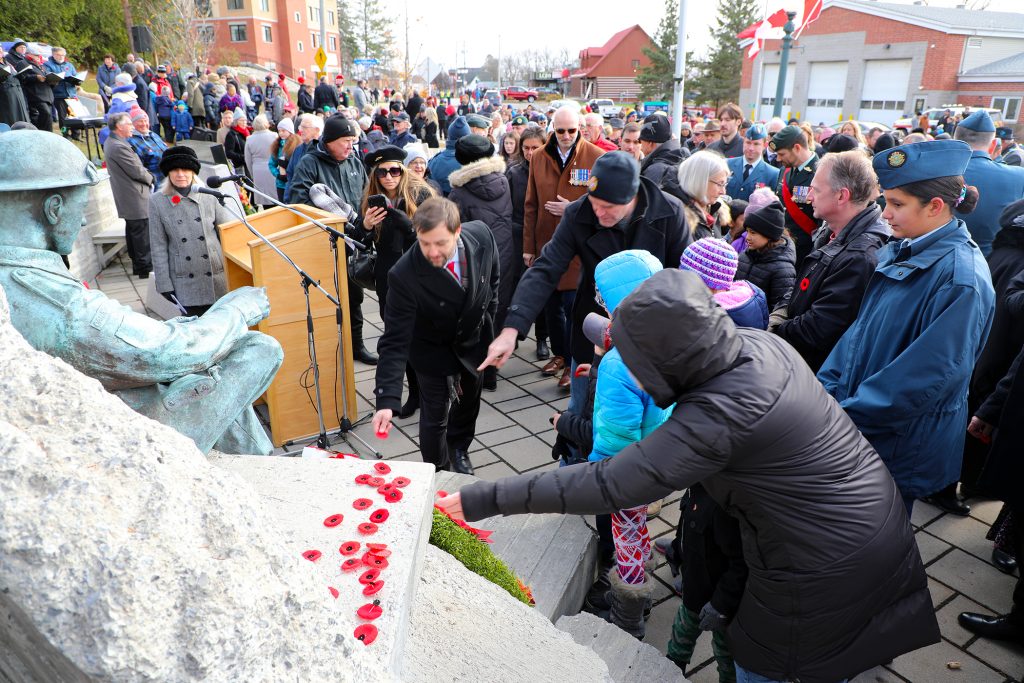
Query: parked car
[[865, 126], [494, 96], [546, 92], [519, 93], [606, 108], [909, 123], [573, 104]]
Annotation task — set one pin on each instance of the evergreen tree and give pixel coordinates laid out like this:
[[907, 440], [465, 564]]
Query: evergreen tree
[[656, 80], [365, 29], [87, 30], [718, 76]]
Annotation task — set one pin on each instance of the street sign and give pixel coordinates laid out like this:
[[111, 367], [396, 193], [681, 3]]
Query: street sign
[[366, 62], [320, 58]]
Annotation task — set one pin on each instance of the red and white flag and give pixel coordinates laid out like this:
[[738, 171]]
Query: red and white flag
[[812, 10], [768, 29]]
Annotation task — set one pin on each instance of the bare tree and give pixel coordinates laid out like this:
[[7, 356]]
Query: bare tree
[[180, 29]]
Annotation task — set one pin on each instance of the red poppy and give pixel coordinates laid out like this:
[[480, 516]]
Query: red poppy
[[362, 503], [375, 561], [363, 479], [401, 482], [393, 496], [175, 200], [382, 468], [350, 564], [377, 546], [804, 284], [366, 633], [377, 481], [370, 611], [334, 591], [369, 576], [373, 588], [349, 548], [380, 552], [379, 516], [312, 555], [367, 528], [385, 488], [333, 520]]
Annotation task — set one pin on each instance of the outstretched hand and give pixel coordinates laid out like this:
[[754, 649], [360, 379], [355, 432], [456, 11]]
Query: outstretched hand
[[500, 349], [451, 504]]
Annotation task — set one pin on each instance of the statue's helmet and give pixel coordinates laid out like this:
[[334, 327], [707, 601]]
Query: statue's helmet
[[37, 160]]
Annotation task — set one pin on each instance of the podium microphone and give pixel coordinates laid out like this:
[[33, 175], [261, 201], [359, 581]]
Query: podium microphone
[[217, 181], [213, 193]]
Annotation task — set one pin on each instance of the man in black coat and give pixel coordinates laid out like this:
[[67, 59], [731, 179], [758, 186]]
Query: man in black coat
[[662, 152], [439, 317], [324, 95], [38, 94], [835, 585], [830, 282]]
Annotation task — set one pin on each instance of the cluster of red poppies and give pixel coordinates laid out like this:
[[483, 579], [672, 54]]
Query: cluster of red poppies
[[375, 558]]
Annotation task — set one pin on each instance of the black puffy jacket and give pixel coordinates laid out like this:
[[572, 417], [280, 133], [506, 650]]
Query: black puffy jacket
[[663, 162], [773, 270], [836, 584]]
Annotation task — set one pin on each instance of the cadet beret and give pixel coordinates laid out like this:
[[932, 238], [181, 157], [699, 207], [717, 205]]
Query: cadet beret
[[786, 138], [179, 156], [385, 153], [615, 177], [473, 147], [519, 121], [477, 121], [920, 161], [656, 128], [979, 122], [756, 132], [1004, 133]]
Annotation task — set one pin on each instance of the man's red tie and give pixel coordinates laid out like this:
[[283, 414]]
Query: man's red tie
[[451, 269]]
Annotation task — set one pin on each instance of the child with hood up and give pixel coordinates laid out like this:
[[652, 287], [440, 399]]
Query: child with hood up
[[623, 414], [181, 121]]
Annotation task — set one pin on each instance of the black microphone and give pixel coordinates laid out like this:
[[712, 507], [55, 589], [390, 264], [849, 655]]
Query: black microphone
[[217, 181], [213, 193]]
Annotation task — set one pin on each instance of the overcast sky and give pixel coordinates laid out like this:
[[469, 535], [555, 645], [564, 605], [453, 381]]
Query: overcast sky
[[441, 31]]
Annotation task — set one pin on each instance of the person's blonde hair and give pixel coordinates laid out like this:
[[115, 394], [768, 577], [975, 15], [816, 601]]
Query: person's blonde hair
[[857, 132], [260, 122], [696, 171], [408, 190]]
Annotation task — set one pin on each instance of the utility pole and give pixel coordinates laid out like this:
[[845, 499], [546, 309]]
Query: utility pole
[[408, 76], [679, 81], [128, 24], [499, 62], [787, 41], [323, 31]]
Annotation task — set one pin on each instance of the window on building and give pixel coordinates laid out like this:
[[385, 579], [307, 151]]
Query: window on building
[[1010, 106], [302, 72], [330, 18], [636, 64], [236, 4], [314, 40], [298, 18], [974, 42], [333, 43], [206, 34], [314, 15], [268, 37], [265, 5], [299, 46], [237, 33]]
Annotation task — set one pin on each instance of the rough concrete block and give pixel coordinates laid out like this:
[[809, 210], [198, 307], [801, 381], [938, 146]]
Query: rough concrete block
[[299, 494], [628, 659]]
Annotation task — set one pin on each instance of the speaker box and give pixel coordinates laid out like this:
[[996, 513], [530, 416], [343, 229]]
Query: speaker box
[[143, 38]]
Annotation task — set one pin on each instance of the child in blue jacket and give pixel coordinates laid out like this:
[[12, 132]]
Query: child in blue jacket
[[624, 414], [181, 121], [164, 110]]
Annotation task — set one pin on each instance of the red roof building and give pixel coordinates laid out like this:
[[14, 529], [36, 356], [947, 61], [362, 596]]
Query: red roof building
[[611, 70]]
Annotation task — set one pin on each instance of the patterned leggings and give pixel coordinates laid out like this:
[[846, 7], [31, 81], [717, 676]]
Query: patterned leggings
[[632, 543]]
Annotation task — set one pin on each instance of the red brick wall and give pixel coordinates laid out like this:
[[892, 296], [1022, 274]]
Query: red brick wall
[[747, 74], [619, 62]]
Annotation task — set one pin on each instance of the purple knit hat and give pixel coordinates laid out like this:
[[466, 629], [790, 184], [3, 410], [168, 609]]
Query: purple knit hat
[[714, 260]]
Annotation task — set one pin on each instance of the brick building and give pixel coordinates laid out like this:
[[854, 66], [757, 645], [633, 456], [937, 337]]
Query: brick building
[[281, 35], [611, 70], [878, 61]]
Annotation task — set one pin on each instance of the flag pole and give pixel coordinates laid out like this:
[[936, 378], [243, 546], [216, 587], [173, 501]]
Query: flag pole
[[760, 78], [680, 77]]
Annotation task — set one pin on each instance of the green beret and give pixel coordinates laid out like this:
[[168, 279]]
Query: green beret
[[786, 138], [477, 121]]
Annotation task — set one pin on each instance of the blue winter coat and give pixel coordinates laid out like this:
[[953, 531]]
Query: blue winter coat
[[762, 175], [998, 185], [62, 90], [181, 121], [164, 106], [623, 412], [746, 304], [902, 370]]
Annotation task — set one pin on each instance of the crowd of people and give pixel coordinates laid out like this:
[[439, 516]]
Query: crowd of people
[[696, 295]]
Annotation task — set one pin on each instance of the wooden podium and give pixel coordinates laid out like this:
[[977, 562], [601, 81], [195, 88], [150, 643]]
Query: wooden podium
[[248, 261]]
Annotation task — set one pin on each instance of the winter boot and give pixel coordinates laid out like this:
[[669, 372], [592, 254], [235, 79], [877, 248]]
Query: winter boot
[[596, 601], [628, 602]]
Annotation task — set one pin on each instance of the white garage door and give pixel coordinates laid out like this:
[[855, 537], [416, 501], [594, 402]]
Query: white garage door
[[883, 97], [825, 92], [768, 85]]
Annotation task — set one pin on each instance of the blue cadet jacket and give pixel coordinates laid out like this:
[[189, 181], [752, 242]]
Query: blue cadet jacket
[[762, 175]]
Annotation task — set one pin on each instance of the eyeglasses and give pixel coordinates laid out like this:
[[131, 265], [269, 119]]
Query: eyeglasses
[[394, 172], [566, 131], [719, 184]]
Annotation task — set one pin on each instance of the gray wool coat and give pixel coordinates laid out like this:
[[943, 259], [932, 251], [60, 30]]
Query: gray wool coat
[[185, 244], [129, 180]]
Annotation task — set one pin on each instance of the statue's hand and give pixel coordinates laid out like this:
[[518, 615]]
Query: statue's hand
[[252, 302]]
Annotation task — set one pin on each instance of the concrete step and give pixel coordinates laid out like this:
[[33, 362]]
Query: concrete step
[[629, 660], [555, 555], [298, 494]]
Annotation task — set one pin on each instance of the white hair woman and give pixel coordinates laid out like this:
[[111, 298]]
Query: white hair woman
[[257, 159], [702, 179]]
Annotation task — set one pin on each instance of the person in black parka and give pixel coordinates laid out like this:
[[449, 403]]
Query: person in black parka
[[835, 585], [769, 261]]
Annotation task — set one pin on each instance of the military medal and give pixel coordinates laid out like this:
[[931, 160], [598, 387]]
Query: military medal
[[579, 176]]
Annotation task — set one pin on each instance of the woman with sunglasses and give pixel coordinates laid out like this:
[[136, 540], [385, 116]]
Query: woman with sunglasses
[[699, 184], [391, 227]]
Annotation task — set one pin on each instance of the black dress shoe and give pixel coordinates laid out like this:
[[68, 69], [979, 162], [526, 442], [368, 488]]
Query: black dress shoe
[[950, 504], [364, 355], [543, 352], [997, 628], [410, 407], [460, 462], [1004, 561]]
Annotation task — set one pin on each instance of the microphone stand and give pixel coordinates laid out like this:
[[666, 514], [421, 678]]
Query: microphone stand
[[345, 426], [307, 281]]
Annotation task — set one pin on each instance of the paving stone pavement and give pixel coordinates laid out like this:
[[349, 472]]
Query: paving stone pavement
[[513, 436]]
